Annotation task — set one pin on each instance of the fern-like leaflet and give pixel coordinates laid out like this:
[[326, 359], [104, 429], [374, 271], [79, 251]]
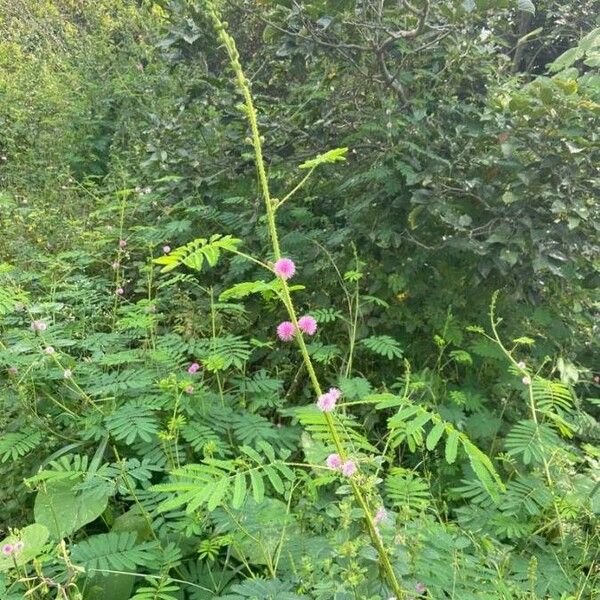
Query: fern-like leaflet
[[218, 482], [383, 345], [112, 551], [194, 253]]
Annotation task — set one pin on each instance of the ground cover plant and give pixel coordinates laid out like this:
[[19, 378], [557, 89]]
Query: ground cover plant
[[299, 300]]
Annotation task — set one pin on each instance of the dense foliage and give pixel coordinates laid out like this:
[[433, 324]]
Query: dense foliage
[[432, 170]]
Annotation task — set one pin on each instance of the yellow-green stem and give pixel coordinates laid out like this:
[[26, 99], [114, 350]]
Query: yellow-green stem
[[270, 208]]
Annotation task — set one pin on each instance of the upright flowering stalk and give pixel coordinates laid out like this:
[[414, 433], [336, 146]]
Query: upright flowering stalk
[[284, 270]]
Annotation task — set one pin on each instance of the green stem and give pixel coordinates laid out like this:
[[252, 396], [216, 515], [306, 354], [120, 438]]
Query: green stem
[[270, 208], [294, 190], [532, 409]]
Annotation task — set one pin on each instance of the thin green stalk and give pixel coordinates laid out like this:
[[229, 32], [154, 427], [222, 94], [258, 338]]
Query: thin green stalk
[[533, 411], [270, 208], [294, 190]]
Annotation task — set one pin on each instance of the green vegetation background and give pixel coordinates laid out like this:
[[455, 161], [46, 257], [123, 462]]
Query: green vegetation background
[[472, 130]]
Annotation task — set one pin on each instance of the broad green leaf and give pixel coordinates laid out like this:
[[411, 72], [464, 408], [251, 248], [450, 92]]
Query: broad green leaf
[[566, 59], [63, 511]]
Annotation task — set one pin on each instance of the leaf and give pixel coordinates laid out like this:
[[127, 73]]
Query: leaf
[[335, 155], [241, 290], [433, 437], [64, 511], [118, 551], [194, 253], [524, 341], [531, 441], [407, 490], [416, 424], [590, 40], [239, 491], [219, 491], [526, 6], [131, 422], [384, 345], [258, 486], [274, 479], [566, 59], [483, 468], [16, 444], [451, 446]]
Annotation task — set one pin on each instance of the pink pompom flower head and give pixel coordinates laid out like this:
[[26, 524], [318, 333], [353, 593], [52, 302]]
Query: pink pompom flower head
[[7, 549], [19, 546], [334, 461], [286, 331], [420, 588], [380, 515], [526, 380], [307, 324], [119, 291], [193, 368], [326, 401], [38, 326], [349, 468], [521, 364], [166, 249], [284, 268], [189, 389], [122, 244]]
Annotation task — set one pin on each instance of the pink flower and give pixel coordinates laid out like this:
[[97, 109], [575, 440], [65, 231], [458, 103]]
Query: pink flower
[[115, 265], [285, 331], [13, 371], [335, 393], [420, 588], [193, 368], [48, 350], [380, 515], [326, 402], [39, 326], [526, 380], [67, 374], [119, 291], [284, 268], [349, 468], [166, 249], [189, 389], [7, 549], [19, 546], [334, 461], [122, 244], [521, 364], [307, 324]]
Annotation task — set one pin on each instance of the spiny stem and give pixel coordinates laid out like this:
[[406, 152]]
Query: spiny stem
[[270, 209]]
